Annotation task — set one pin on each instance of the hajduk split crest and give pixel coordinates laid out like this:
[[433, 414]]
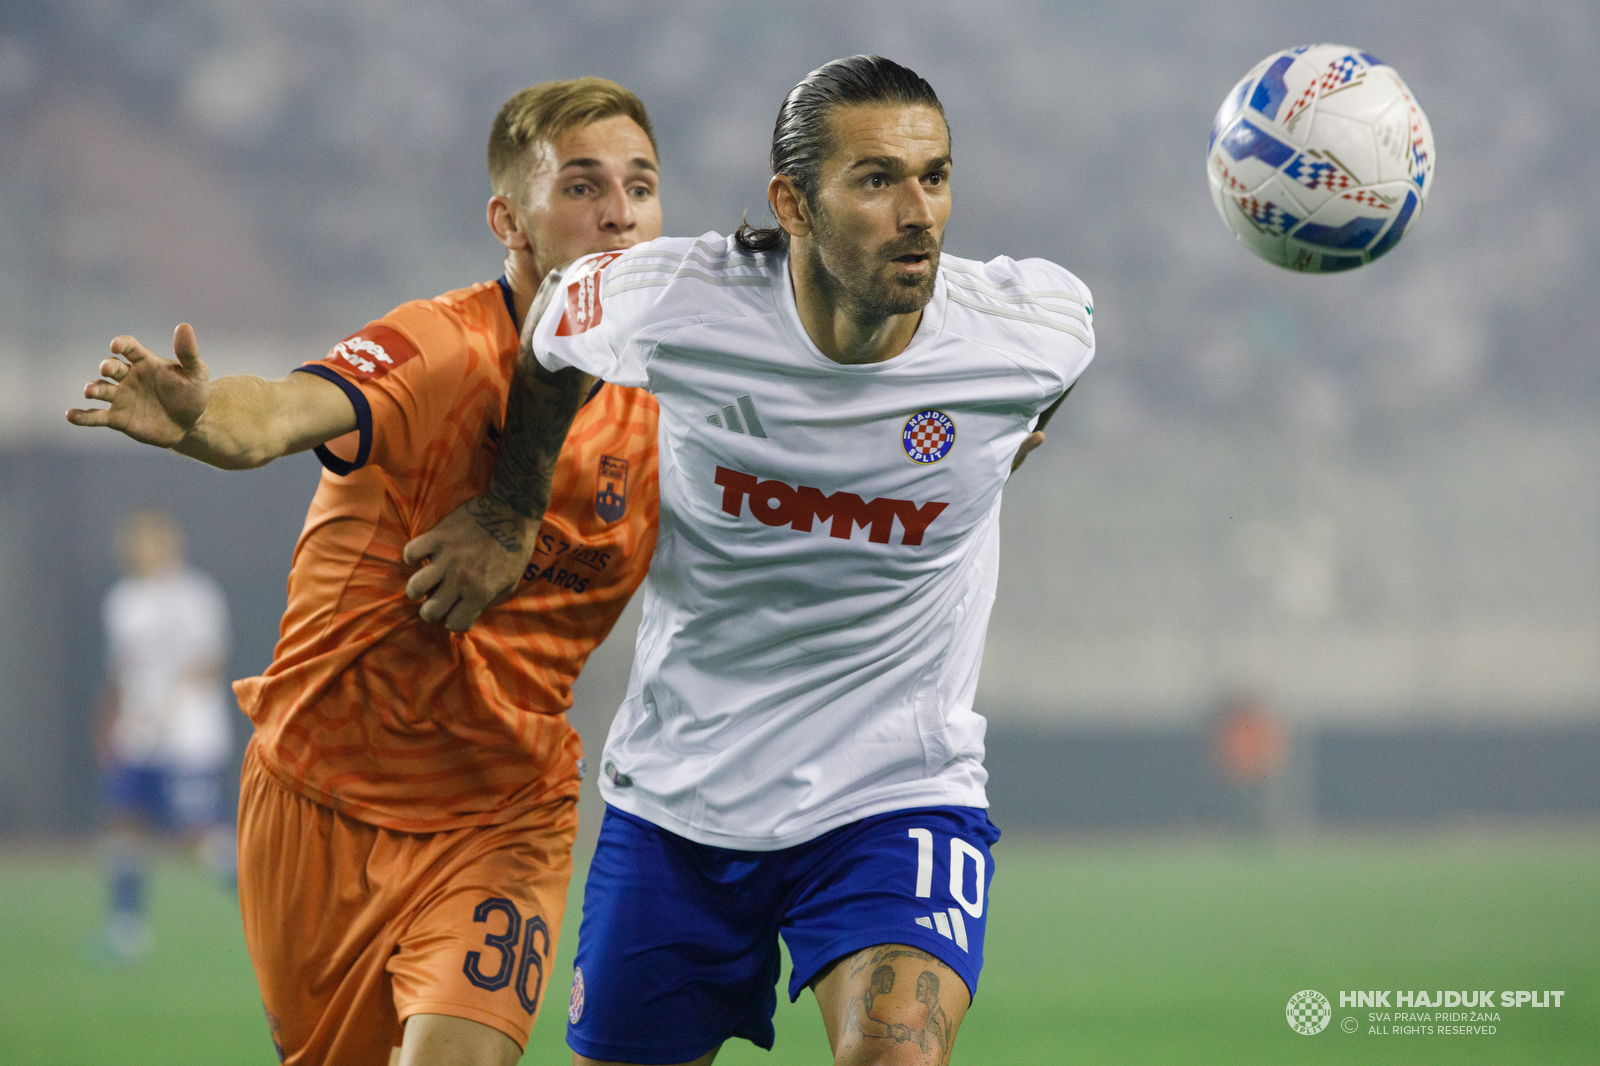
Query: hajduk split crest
[[928, 436]]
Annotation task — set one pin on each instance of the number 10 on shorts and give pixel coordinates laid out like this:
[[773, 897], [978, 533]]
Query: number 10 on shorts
[[950, 923]]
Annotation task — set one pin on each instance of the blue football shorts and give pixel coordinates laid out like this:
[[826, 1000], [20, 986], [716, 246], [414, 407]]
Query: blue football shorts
[[169, 799], [678, 948]]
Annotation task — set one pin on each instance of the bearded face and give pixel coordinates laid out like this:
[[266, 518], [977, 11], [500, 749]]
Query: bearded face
[[878, 208], [870, 275]]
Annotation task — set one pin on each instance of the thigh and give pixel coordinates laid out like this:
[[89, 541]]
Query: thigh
[[316, 928], [678, 949], [477, 940], [440, 1040], [891, 1000], [916, 877]]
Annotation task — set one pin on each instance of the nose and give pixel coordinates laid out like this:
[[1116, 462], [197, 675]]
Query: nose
[[617, 214], [916, 207]]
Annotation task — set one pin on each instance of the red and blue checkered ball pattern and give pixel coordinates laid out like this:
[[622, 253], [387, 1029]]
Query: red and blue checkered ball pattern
[[1320, 159], [928, 436]]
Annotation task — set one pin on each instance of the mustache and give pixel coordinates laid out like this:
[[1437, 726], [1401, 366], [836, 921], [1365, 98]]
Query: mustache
[[923, 243]]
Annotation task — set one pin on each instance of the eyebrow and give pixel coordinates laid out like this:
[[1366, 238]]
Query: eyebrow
[[892, 162], [586, 163]]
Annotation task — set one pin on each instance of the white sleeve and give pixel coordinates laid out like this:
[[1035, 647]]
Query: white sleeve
[[1067, 345], [1078, 362], [581, 330]]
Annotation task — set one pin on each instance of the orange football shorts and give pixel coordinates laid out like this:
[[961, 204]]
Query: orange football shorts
[[353, 928]]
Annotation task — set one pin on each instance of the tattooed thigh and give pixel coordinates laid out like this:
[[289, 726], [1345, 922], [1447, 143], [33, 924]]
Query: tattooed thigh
[[892, 1003]]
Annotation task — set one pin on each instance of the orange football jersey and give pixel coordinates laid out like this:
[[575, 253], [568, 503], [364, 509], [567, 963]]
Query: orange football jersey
[[400, 723]]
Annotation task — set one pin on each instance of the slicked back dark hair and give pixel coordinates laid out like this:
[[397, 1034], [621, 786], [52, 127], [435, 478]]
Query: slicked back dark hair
[[801, 139]]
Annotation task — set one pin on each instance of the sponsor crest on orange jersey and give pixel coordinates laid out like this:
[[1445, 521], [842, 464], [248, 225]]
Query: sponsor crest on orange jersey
[[583, 297], [611, 492], [372, 352]]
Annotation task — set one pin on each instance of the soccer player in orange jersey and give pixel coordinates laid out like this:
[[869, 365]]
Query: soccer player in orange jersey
[[408, 802]]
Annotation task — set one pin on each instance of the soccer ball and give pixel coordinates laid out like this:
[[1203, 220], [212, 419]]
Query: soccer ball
[[1320, 159]]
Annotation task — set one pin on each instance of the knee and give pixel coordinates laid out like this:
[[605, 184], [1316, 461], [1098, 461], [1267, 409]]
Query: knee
[[886, 1053]]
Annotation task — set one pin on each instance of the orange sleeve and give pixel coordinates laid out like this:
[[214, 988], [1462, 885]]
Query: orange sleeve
[[402, 374]]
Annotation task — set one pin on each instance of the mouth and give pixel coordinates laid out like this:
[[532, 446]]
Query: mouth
[[912, 262]]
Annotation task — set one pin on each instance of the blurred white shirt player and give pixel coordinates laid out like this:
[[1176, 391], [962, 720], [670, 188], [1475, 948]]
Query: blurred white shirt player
[[165, 737]]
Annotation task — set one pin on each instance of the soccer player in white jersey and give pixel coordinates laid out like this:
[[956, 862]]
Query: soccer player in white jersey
[[165, 738], [798, 753]]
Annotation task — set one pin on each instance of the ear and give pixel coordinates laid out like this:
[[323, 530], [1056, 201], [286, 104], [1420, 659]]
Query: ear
[[507, 224], [789, 206]]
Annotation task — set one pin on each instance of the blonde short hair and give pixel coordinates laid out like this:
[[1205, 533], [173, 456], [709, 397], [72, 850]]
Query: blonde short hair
[[544, 112]]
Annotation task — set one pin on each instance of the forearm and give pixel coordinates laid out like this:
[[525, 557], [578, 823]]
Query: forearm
[[234, 430], [249, 421], [539, 411]]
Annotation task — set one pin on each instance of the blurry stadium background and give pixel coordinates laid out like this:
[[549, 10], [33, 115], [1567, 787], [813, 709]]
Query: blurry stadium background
[[1366, 505]]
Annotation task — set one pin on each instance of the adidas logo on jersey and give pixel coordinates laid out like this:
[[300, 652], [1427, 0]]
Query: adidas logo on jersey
[[729, 418], [775, 503]]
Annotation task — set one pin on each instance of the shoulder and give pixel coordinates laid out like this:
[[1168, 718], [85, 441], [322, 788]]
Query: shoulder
[[440, 327], [200, 585], [435, 330], [1021, 297], [1034, 313], [697, 273], [479, 308]]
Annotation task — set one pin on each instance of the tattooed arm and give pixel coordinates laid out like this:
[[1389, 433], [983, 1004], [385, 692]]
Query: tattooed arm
[[475, 557]]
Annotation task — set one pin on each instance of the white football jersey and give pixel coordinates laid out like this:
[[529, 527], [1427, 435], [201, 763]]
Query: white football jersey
[[166, 635], [815, 611]]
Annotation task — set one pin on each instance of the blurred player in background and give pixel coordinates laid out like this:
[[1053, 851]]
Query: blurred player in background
[[408, 802], [841, 406], [1251, 749], [165, 736]]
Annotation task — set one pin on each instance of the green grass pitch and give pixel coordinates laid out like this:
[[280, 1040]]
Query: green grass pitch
[[1114, 952]]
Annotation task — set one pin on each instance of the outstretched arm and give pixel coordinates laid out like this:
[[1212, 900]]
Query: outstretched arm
[[475, 557], [235, 423]]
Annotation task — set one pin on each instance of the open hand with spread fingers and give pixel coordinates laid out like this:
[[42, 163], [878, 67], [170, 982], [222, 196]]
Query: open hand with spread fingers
[[153, 400]]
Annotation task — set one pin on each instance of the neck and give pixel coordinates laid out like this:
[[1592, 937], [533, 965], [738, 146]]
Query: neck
[[835, 325], [524, 276]]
